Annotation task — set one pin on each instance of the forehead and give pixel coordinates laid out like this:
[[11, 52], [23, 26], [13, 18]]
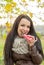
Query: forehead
[[24, 21]]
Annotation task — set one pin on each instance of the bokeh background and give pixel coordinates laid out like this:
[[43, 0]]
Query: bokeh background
[[10, 9]]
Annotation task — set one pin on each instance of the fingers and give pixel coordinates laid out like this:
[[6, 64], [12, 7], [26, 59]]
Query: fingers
[[30, 39], [32, 42]]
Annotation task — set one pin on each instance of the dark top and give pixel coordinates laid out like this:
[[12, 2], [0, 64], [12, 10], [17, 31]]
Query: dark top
[[33, 57]]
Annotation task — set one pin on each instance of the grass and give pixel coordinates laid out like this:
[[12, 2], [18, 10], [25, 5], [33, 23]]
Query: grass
[[2, 47], [1, 50]]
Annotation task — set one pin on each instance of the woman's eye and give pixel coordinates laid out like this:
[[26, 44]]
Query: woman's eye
[[22, 25], [28, 26]]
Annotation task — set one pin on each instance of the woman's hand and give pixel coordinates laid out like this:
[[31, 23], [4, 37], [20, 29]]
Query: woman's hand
[[30, 39]]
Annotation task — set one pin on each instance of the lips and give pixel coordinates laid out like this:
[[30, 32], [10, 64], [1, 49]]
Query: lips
[[28, 37], [22, 33]]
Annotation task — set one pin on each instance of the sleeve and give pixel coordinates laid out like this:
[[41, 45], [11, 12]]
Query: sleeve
[[35, 55]]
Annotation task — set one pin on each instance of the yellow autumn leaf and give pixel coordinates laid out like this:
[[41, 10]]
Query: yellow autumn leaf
[[8, 7], [38, 0], [32, 0], [8, 29], [13, 4], [8, 0], [31, 14], [42, 5], [11, 16], [23, 0], [8, 26], [24, 12], [0, 16], [17, 9], [26, 4]]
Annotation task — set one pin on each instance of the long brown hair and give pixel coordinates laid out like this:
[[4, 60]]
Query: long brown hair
[[8, 59]]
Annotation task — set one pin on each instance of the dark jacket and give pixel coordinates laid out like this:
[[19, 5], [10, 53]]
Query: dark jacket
[[31, 58]]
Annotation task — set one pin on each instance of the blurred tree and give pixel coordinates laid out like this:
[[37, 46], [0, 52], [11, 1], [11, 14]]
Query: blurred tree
[[8, 0], [13, 4], [1, 30], [17, 9], [24, 12], [38, 0], [31, 0], [8, 8], [8, 26], [31, 14], [23, 0]]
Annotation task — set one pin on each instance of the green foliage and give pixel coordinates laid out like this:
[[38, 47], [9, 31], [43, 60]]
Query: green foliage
[[31, 0], [8, 0], [39, 34], [38, 0]]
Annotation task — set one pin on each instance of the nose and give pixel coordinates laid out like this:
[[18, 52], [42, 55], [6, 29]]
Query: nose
[[25, 29]]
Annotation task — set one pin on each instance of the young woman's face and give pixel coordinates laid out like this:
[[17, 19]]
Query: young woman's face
[[23, 27]]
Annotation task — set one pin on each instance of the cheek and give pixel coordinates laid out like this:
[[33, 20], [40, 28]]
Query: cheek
[[28, 30], [20, 29]]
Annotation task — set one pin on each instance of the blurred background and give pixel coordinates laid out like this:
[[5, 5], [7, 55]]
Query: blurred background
[[10, 9]]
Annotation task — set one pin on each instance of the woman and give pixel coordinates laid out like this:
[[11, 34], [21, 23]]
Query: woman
[[21, 51]]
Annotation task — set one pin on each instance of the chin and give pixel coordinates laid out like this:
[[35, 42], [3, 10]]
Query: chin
[[21, 36]]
